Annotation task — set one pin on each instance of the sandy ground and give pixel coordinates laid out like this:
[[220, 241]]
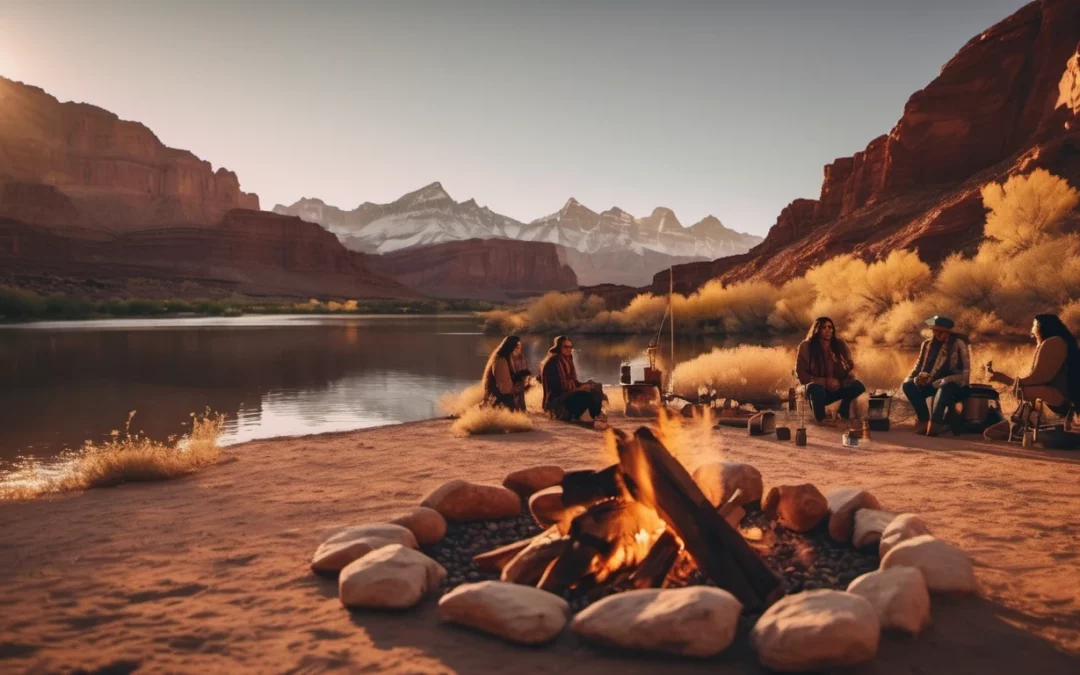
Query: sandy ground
[[209, 573]]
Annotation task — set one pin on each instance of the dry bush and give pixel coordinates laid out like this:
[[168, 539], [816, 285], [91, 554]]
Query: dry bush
[[128, 457], [969, 282], [642, 315], [455, 403], [748, 306], [745, 373], [897, 278], [503, 321], [490, 420], [1027, 209], [833, 282], [558, 312], [1070, 315], [792, 313], [1044, 276], [881, 369]]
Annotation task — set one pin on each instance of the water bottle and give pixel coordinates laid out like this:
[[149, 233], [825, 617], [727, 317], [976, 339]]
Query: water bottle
[[1029, 438]]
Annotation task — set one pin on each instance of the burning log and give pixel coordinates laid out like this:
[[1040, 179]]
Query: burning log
[[655, 567], [528, 566], [586, 487], [658, 480]]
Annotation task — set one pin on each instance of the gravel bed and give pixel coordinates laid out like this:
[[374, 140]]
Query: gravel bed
[[804, 561]]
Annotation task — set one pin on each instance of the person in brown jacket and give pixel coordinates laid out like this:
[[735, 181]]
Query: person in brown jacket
[[504, 375], [825, 369], [1054, 375]]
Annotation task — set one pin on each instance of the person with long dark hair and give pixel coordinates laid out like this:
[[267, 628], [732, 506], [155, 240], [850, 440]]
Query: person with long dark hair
[[1054, 375], [943, 370], [826, 370], [565, 396], [505, 374]]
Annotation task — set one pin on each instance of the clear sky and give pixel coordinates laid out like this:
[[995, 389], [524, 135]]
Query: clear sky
[[723, 108]]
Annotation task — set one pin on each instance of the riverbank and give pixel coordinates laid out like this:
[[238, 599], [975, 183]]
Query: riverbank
[[19, 304], [209, 573]]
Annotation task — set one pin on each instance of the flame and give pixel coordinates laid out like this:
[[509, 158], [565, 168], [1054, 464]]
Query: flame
[[632, 530], [692, 440]]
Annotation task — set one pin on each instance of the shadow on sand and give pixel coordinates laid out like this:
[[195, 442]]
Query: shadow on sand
[[968, 635]]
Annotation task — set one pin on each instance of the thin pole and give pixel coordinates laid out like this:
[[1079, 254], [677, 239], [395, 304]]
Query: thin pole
[[671, 308]]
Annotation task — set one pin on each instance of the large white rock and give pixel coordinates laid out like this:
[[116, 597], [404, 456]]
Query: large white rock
[[899, 596], [843, 503], [869, 524], [901, 528], [719, 480], [692, 621], [511, 611], [393, 577], [815, 630], [427, 525], [946, 568], [348, 544], [460, 501]]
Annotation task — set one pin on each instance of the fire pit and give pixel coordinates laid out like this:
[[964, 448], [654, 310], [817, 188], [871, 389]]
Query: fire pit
[[619, 543]]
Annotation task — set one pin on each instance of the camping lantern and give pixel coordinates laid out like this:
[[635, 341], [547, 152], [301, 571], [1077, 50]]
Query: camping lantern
[[880, 406]]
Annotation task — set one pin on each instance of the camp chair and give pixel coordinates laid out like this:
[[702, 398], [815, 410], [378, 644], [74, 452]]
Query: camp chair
[[1040, 417]]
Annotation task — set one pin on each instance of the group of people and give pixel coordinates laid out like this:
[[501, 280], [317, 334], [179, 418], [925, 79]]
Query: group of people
[[826, 369], [507, 377], [942, 372]]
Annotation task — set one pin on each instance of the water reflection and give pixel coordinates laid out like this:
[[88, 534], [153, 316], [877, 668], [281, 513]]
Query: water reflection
[[63, 383]]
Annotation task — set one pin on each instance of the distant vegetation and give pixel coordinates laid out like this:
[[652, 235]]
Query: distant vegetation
[[1026, 265], [18, 304]]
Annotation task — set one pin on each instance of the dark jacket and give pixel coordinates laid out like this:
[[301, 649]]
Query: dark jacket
[[559, 377], [952, 364]]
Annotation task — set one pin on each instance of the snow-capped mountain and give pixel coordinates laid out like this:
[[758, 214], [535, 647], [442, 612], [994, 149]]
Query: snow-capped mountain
[[608, 247]]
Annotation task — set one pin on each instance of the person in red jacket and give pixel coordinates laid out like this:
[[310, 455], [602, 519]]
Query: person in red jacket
[[565, 396]]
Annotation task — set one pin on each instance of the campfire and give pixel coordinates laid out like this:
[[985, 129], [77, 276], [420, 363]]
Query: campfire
[[640, 523]]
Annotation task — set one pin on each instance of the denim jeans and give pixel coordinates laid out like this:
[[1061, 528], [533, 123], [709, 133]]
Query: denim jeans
[[944, 398], [820, 397]]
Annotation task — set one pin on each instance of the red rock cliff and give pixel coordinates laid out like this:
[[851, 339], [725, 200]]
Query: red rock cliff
[[487, 269], [248, 252], [117, 174], [1007, 102]]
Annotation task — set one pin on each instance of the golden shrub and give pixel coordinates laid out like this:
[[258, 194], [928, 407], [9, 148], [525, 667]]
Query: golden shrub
[[1028, 209], [478, 420]]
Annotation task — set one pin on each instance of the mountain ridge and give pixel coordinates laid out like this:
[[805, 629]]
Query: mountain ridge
[[429, 215]]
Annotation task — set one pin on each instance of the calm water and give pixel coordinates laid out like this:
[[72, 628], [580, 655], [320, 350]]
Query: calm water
[[64, 383]]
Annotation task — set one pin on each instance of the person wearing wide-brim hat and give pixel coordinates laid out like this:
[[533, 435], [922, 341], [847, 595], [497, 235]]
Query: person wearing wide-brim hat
[[943, 371]]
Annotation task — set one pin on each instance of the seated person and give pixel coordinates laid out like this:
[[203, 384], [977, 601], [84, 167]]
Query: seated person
[[1054, 376], [504, 375], [943, 371], [824, 366], [565, 397]]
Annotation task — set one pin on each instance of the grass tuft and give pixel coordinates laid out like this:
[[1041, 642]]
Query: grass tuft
[[479, 420]]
